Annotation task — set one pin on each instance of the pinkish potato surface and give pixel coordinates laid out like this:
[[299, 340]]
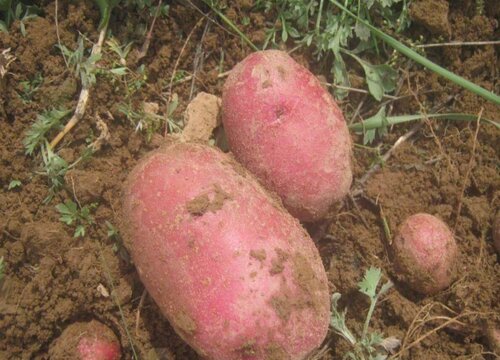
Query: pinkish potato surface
[[86, 341], [234, 273], [286, 129], [425, 253]]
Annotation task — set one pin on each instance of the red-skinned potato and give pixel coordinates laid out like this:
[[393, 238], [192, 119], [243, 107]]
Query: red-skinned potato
[[234, 273], [86, 341], [425, 253], [286, 129]]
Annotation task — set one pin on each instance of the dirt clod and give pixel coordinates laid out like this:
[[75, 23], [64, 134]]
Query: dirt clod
[[201, 117]]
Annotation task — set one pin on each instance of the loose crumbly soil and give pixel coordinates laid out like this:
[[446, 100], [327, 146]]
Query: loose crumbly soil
[[53, 280]]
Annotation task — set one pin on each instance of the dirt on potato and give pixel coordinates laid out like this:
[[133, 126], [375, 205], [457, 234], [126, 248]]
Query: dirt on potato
[[53, 279]]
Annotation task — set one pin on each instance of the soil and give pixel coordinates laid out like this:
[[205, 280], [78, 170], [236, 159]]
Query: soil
[[53, 279]]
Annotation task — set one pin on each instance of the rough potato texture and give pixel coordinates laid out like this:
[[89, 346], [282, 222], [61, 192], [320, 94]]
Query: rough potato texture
[[425, 253], [285, 128], [86, 341], [234, 273]]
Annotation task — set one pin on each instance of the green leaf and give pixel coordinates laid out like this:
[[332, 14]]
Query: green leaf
[[112, 232], [45, 122], [79, 231], [68, 211], [381, 79], [120, 71], [337, 321], [13, 184], [385, 288], [388, 76], [362, 31], [340, 76], [368, 285]]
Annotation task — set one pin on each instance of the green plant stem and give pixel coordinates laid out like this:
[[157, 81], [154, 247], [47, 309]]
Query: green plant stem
[[374, 123], [373, 302], [318, 20], [476, 89], [231, 25]]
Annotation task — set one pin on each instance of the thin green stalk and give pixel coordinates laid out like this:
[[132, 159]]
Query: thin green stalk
[[466, 84], [231, 25], [376, 122], [373, 302], [318, 20]]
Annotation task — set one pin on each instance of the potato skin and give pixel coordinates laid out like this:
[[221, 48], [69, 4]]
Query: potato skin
[[425, 253], [86, 341], [287, 130], [234, 273]]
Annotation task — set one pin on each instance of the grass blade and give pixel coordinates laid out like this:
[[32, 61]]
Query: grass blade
[[466, 84], [375, 122]]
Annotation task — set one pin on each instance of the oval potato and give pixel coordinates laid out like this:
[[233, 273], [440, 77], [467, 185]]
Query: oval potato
[[425, 253], [234, 273], [287, 130]]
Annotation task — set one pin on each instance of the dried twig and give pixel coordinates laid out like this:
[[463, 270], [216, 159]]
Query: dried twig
[[430, 332], [176, 65], [198, 59], [469, 168], [5, 60], [104, 134], [83, 98], [56, 18], [138, 314]]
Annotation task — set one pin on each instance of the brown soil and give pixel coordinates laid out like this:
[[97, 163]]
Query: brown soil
[[53, 279]]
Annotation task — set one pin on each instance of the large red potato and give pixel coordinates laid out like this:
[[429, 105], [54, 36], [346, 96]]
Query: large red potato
[[425, 253], [286, 129], [234, 273], [86, 341]]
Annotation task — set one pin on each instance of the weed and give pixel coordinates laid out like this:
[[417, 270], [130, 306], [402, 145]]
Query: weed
[[30, 87], [112, 231], [379, 122], [54, 168], [70, 214], [330, 32], [149, 121], [44, 123], [369, 345], [2, 268], [422, 60], [12, 10], [180, 75], [83, 67], [14, 184], [121, 50]]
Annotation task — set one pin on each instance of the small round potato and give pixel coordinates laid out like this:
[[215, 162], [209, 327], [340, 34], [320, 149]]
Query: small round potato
[[425, 253]]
